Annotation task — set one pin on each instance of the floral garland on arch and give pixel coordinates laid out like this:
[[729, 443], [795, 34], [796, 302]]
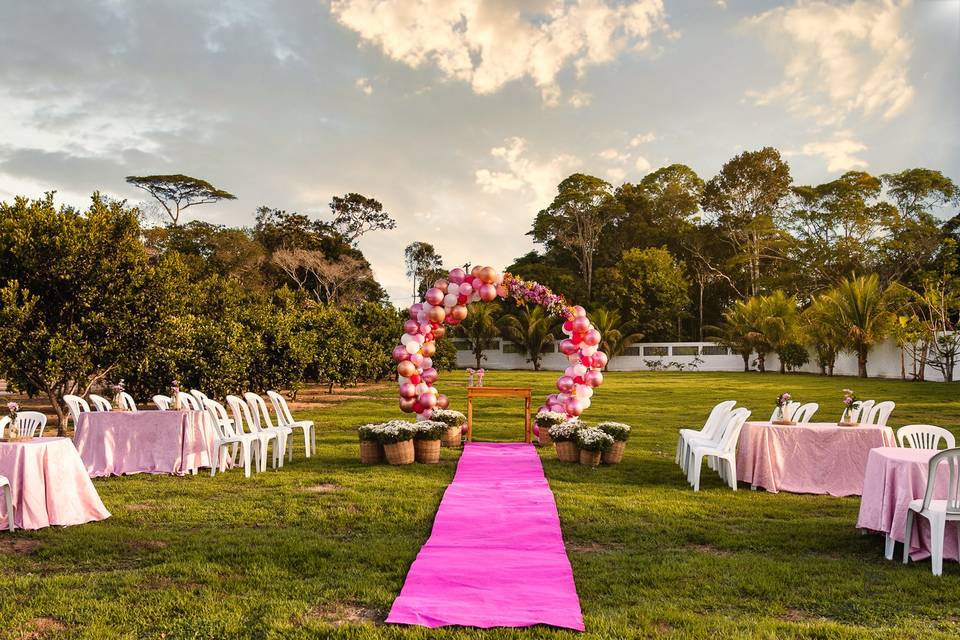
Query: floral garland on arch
[[445, 304]]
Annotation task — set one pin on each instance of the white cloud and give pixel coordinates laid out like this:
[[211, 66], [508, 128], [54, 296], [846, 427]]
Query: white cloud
[[580, 99], [840, 58], [488, 43], [613, 155], [642, 164], [363, 84], [643, 138], [616, 174], [840, 152], [523, 173]]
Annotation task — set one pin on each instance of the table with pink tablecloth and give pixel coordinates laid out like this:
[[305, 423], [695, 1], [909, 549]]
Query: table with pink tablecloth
[[895, 476], [49, 484], [808, 458], [124, 442]]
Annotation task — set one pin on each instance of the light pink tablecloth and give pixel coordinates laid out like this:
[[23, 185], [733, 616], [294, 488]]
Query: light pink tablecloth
[[49, 484], [809, 458], [125, 442], [893, 478]]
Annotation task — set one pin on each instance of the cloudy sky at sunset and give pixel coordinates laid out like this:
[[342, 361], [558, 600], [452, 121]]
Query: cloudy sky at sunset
[[461, 116]]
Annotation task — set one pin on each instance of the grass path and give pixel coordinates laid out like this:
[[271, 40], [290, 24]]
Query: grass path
[[321, 548]]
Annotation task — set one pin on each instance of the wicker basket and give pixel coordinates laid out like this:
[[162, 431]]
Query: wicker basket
[[567, 451], [591, 458], [371, 452], [399, 452], [615, 455], [451, 437], [544, 436], [427, 451]]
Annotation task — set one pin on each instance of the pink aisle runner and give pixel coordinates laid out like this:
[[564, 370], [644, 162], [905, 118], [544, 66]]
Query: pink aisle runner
[[496, 556]]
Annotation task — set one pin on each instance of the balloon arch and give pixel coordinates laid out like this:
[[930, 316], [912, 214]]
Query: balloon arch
[[446, 304]]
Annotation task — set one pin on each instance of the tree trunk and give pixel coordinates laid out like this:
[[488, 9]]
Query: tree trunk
[[823, 369], [783, 366], [903, 364], [862, 363], [478, 354], [761, 363], [58, 409], [700, 314], [746, 362]]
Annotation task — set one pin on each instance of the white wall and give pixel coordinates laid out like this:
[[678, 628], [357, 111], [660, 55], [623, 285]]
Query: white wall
[[883, 362]]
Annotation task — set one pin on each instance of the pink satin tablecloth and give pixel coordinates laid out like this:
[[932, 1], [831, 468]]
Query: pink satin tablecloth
[[49, 483], [893, 478], [125, 442], [808, 458]]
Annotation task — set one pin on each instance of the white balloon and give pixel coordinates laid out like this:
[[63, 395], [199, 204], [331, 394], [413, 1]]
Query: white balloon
[[422, 388], [425, 328], [427, 363], [420, 338], [588, 350], [413, 347], [587, 391], [579, 369], [453, 290], [450, 300], [573, 358], [402, 380], [569, 372], [421, 316], [405, 339], [475, 296], [586, 403]]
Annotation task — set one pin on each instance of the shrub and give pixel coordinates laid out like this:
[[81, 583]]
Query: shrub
[[793, 356], [593, 439], [448, 417], [616, 430], [396, 431], [429, 430], [565, 431]]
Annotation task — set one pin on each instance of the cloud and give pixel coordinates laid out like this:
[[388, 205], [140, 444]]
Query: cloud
[[580, 99], [643, 138], [840, 58], [613, 155], [488, 43], [363, 84], [523, 173], [840, 152], [642, 164]]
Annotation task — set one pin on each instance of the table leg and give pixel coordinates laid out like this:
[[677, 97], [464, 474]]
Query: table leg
[[469, 419], [526, 421]]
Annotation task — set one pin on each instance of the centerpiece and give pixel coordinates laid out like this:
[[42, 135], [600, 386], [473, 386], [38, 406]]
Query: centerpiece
[[783, 402], [396, 437], [118, 389], [850, 404], [175, 394], [454, 421], [544, 420], [12, 409], [619, 432], [593, 443], [371, 451], [426, 441], [564, 440]]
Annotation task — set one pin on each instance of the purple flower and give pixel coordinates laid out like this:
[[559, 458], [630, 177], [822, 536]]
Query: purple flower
[[13, 407]]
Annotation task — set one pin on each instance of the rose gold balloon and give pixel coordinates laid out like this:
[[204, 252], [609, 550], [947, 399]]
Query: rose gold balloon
[[406, 404], [436, 314], [488, 275], [475, 272], [439, 332], [428, 349], [406, 368], [458, 313], [441, 284], [488, 292]]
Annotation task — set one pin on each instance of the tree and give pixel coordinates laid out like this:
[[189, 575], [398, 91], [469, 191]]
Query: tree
[[862, 311], [747, 197], [779, 324], [917, 191], [78, 296], [354, 215], [531, 330], [175, 193], [421, 260], [736, 331], [823, 332], [481, 325], [333, 281], [576, 218], [616, 335]]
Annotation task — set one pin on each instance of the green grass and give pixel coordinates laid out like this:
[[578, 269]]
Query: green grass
[[321, 548]]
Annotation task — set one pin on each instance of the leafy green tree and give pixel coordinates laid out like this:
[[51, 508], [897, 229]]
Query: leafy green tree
[[480, 327], [862, 311], [736, 331], [355, 215], [616, 335], [422, 261], [532, 330], [177, 192], [545, 270], [823, 332], [780, 324]]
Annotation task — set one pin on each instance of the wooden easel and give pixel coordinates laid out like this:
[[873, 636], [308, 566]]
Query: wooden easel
[[500, 392]]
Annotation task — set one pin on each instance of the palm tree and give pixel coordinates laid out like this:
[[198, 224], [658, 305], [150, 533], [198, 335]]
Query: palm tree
[[481, 325], [779, 322], [822, 330], [862, 309], [616, 334], [531, 330], [735, 331]]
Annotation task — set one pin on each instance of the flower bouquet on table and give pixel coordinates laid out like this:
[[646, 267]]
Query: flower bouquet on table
[[175, 394], [426, 441], [564, 436], [12, 409], [396, 437], [850, 405], [118, 389], [783, 401], [371, 451], [593, 443], [544, 420], [619, 432], [453, 421]]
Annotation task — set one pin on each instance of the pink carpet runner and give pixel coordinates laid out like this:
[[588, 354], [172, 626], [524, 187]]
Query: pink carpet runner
[[496, 556]]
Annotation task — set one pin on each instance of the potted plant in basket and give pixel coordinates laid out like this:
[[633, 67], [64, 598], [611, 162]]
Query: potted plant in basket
[[454, 421], [546, 419], [783, 401], [619, 432], [850, 404], [396, 437], [371, 451], [564, 439], [593, 442], [426, 441]]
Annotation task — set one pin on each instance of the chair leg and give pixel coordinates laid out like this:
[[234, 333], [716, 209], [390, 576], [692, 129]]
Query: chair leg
[[889, 547], [245, 448], [313, 438], [697, 462], [676, 458], [8, 498], [215, 461], [937, 527], [732, 473], [306, 441], [908, 536]]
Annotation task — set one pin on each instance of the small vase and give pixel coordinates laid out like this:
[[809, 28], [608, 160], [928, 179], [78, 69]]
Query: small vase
[[399, 452], [371, 452], [615, 454], [451, 437], [566, 451], [590, 458], [426, 451]]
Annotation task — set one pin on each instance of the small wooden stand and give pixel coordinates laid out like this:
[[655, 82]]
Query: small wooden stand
[[500, 392]]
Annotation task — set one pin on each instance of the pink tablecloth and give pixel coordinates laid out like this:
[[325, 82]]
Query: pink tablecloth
[[49, 484], [809, 458], [124, 442], [893, 478]]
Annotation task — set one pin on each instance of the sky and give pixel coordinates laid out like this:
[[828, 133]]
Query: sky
[[461, 116]]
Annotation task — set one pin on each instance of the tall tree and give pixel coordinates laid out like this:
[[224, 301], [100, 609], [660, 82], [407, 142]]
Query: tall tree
[[480, 327], [355, 215], [177, 192], [531, 329], [861, 308], [616, 335], [421, 260], [576, 218]]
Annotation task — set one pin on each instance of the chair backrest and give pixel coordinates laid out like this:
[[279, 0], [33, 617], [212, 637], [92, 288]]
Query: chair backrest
[[717, 419], [163, 402], [788, 411], [280, 407], [200, 397], [219, 418], [732, 428], [258, 409], [862, 412], [925, 436], [127, 400], [880, 413], [187, 402], [100, 403], [29, 424], [950, 457], [804, 412], [241, 415], [76, 405], [4, 421]]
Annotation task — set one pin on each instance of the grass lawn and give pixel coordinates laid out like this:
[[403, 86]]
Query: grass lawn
[[321, 548]]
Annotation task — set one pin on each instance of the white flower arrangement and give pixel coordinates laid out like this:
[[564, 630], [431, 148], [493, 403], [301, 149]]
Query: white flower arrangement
[[593, 439], [396, 431], [429, 430], [617, 430], [565, 431], [550, 418], [448, 417], [369, 431]]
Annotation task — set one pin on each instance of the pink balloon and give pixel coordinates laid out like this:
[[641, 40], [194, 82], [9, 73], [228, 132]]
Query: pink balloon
[[599, 360], [565, 384], [434, 296], [476, 282], [579, 311], [415, 310], [443, 401], [400, 353], [408, 390], [536, 431], [427, 400], [574, 407], [593, 378], [416, 358], [592, 337], [501, 291], [411, 327], [457, 275], [567, 347], [488, 292], [466, 289], [430, 375], [580, 324]]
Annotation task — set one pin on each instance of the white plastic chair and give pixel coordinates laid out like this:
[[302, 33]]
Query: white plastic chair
[[789, 410], [187, 402], [260, 415], [925, 436], [226, 436], [880, 413], [28, 424], [4, 421], [285, 419], [710, 431], [861, 412], [723, 451], [804, 414], [163, 402], [100, 403], [76, 405], [241, 416], [937, 512], [127, 401], [200, 397], [8, 501]]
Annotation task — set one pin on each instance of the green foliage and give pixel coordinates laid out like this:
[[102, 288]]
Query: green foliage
[[480, 327], [445, 358], [178, 192], [531, 329], [616, 334], [861, 308], [793, 355]]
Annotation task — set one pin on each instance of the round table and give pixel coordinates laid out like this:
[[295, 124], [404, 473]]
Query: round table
[[49, 483]]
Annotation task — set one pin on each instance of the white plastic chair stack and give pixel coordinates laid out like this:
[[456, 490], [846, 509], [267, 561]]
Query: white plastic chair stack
[[711, 429], [925, 436], [187, 402], [937, 512], [804, 414], [261, 416], [880, 413], [722, 450], [163, 402], [8, 501], [285, 419], [241, 416], [76, 405], [100, 403], [226, 437]]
